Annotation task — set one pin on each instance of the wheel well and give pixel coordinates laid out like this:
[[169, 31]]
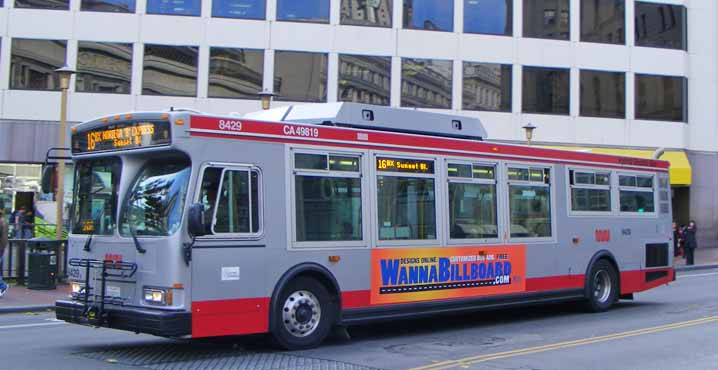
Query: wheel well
[[607, 256], [323, 279]]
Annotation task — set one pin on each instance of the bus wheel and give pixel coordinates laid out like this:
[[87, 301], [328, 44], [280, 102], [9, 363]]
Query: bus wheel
[[602, 289], [304, 314]]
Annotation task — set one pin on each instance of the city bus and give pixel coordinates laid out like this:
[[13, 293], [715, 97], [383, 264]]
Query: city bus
[[301, 219]]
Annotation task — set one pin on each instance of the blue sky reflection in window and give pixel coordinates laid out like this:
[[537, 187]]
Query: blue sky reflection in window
[[316, 11]]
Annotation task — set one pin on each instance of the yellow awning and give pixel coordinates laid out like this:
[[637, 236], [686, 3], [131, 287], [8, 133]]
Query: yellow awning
[[680, 170]]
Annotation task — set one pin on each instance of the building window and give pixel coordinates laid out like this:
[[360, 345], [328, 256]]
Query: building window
[[245, 9], [491, 17], [661, 98], [530, 202], [603, 21], [300, 76], [43, 4], [636, 193], [235, 73], [366, 86], [175, 7], [487, 86], [547, 19], [375, 13], [169, 70], [661, 25], [434, 15], [111, 6], [590, 191], [603, 94], [312, 11], [427, 75], [33, 64], [104, 67], [328, 197], [546, 90], [472, 201]]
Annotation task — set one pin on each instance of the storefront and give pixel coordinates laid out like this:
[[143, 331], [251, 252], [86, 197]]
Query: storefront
[[23, 147]]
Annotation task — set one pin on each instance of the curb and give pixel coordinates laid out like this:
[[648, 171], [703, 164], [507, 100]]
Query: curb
[[696, 267], [23, 309]]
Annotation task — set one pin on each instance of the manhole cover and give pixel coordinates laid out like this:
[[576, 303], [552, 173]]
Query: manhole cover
[[192, 356]]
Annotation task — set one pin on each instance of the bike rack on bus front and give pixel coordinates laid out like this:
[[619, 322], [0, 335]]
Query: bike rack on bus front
[[124, 270]]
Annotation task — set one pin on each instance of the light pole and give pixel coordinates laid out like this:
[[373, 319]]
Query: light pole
[[266, 97], [529, 131], [64, 73]]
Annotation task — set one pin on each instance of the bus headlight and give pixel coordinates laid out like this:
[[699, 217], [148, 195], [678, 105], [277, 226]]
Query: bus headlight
[[158, 296], [76, 288]]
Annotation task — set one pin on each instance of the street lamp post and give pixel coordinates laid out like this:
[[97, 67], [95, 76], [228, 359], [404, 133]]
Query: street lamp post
[[64, 73], [529, 131], [266, 97]]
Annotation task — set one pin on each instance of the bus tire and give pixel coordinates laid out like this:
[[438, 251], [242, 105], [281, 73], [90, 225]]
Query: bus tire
[[304, 314], [602, 286]]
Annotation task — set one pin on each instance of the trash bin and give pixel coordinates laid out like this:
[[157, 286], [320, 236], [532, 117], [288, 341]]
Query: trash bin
[[42, 263]]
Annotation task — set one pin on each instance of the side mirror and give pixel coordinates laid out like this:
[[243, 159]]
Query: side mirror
[[195, 220], [48, 175]]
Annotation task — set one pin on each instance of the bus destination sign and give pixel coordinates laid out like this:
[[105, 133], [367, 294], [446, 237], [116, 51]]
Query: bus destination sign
[[405, 165], [124, 135]]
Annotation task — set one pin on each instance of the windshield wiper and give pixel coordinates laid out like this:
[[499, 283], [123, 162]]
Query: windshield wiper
[[86, 248], [137, 242]]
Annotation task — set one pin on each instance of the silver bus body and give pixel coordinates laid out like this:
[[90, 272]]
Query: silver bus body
[[230, 283]]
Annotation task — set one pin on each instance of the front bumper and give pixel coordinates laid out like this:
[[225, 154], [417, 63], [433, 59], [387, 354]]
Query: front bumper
[[138, 320]]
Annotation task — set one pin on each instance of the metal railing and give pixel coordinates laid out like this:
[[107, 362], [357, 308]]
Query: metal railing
[[15, 257], [36, 230]]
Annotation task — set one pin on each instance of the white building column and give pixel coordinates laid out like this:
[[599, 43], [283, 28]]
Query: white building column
[[332, 77], [395, 81]]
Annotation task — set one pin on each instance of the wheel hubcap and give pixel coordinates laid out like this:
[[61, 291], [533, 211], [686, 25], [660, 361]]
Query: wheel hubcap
[[301, 313], [602, 287]]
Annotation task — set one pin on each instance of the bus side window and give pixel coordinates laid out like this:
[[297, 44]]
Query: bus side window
[[529, 202], [237, 209], [472, 201], [327, 195], [208, 194]]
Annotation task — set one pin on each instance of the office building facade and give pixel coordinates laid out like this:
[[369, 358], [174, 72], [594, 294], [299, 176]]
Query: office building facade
[[617, 76]]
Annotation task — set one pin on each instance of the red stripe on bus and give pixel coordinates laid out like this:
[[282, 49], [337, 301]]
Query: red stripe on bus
[[422, 151], [554, 283], [251, 315], [635, 281], [230, 317], [356, 299], [325, 135]]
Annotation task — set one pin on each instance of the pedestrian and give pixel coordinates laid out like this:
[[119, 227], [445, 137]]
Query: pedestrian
[[18, 220], [676, 236], [3, 244], [691, 243], [29, 225], [682, 240]]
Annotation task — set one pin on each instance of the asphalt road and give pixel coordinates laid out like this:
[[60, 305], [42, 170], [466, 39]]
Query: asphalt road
[[671, 327]]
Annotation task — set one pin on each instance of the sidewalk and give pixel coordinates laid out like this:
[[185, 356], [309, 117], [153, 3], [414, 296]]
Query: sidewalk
[[705, 258], [20, 299]]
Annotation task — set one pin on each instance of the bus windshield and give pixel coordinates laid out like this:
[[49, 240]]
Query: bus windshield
[[155, 201], [95, 196]]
